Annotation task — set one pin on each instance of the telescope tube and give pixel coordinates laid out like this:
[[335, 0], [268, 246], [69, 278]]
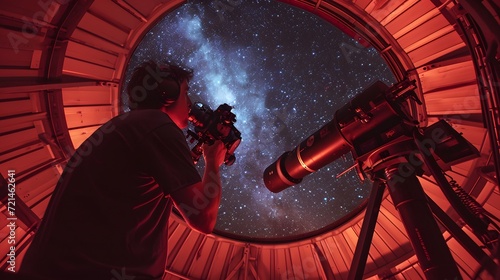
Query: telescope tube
[[322, 147], [358, 127]]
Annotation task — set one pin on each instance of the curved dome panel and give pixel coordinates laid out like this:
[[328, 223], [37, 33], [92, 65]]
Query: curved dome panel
[[61, 68]]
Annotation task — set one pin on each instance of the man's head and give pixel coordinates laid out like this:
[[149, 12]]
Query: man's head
[[154, 86], [164, 87]]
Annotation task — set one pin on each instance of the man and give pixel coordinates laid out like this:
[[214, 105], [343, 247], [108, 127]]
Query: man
[[108, 216]]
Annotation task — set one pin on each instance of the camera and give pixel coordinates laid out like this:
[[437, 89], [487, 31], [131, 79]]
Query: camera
[[210, 126]]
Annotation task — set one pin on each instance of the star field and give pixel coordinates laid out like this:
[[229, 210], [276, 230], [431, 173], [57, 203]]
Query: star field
[[285, 72]]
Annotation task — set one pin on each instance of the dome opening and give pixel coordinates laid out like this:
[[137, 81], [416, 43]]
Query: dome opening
[[285, 71]]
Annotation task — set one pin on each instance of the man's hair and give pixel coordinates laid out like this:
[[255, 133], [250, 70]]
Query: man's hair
[[153, 86]]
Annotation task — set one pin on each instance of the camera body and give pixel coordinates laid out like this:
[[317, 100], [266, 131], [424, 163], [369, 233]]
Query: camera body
[[210, 126]]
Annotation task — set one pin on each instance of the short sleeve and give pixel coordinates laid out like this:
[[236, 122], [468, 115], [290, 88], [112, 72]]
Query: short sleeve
[[167, 158]]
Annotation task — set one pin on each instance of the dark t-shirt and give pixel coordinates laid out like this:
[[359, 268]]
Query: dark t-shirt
[[108, 216]]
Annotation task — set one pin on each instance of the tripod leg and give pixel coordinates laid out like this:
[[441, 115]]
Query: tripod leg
[[463, 238], [365, 237], [479, 227], [427, 241]]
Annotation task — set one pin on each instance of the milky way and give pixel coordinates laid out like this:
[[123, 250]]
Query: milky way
[[285, 72]]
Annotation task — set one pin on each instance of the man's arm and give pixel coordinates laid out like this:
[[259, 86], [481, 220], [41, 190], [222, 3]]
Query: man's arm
[[199, 203]]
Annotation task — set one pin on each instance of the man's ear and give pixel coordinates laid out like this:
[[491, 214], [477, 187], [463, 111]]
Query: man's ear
[[169, 91]]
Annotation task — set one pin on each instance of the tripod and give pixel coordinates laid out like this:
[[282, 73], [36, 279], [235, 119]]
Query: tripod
[[395, 167]]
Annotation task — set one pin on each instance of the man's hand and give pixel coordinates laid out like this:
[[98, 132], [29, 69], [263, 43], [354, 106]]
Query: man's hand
[[214, 154], [199, 203]]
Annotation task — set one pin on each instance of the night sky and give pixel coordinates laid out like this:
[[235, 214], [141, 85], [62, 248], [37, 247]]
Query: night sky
[[285, 72]]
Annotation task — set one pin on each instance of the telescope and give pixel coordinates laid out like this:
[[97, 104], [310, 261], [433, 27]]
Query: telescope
[[391, 149], [367, 121]]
